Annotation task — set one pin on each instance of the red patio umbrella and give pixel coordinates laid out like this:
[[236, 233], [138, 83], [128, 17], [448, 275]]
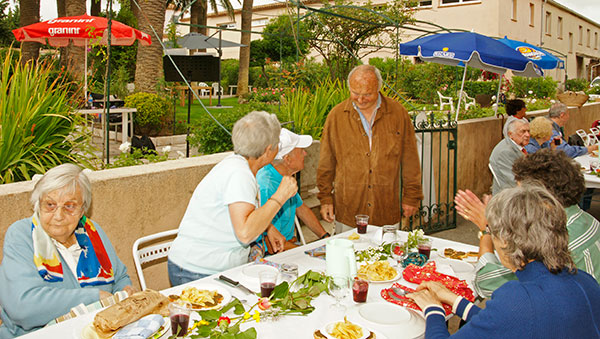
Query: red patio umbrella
[[80, 29]]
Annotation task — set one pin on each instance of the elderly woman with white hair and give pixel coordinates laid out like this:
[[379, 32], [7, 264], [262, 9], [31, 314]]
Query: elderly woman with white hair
[[57, 258], [223, 216], [550, 299]]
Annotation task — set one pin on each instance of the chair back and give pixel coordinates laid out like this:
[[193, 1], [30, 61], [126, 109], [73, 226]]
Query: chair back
[[216, 88], [158, 246], [299, 230]]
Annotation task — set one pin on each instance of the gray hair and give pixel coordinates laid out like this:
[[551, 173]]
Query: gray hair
[[365, 69], [66, 177], [532, 224], [557, 109], [254, 132], [512, 125]]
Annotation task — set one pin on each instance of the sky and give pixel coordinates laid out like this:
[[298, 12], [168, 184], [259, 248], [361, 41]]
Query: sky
[[588, 8]]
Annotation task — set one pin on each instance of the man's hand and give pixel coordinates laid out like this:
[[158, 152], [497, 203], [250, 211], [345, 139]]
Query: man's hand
[[104, 294], [592, 148], [408, 210], [276, 239], [471, 208], [327, 212]]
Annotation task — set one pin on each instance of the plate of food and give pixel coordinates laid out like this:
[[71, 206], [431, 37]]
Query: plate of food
[[450, 253], [378, 272], [88, 331], [394, 318], [343, 330], [253, 270], [201, 296]]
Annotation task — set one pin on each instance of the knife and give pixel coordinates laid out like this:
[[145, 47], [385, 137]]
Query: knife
[[236, 284]]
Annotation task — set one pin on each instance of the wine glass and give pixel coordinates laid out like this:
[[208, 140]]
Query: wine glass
[[398, 252], [339, 287]]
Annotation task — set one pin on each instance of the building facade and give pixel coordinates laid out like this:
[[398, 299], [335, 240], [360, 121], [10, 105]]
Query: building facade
[[546, 23]]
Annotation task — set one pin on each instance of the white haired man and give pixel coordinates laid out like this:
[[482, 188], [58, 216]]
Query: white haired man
[[288, 161], [367, 141], [506, 152], [559, 115]]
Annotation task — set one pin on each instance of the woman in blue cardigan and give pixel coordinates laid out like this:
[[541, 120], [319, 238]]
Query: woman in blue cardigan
[[550, 299]]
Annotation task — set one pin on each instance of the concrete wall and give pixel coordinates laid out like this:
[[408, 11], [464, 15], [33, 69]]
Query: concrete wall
[[134, 201]]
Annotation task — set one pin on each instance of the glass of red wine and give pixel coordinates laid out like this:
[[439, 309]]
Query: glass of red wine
[[362, 220], [268, 280], [424, 247], [360, 288], [179, 313]]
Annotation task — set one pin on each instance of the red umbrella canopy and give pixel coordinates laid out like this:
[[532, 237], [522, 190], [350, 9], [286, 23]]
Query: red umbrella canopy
[[79, 29]]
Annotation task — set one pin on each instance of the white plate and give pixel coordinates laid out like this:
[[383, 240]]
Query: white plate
[[398, 275], [458, 266], [468, 259], [329, 327], [393, 318], [88, 332], [252, 271], [202, 286]]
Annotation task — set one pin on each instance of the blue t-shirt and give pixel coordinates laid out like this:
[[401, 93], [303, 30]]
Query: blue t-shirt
[[268, 180]]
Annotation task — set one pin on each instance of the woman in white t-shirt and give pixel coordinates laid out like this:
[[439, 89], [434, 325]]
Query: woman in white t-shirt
[[223, 216]]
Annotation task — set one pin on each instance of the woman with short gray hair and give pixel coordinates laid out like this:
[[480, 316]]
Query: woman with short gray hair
[[550, 299], [223, 216], [57, 258]]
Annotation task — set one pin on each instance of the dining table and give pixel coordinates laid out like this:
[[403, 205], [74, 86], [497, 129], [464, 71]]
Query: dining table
[[591, 180], [366, 314]]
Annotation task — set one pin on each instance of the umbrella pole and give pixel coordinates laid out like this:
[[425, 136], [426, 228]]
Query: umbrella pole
[[498, 94], [462, 86], [85, 89]]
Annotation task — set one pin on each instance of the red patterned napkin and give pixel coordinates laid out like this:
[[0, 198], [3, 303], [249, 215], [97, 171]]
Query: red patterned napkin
[[415, 274]]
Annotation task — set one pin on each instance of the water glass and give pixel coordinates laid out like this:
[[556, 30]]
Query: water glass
[[179, 313], [339, 287], [388, 234], [362, 220], [397, 251], [289, 273]]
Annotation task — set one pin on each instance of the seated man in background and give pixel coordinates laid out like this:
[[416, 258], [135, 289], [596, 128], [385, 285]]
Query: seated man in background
[[288, 161], [540, 130], [506, 152], [561, 176], [515, 109], [558, 114]]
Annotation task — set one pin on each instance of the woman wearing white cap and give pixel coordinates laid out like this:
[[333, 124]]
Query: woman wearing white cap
[[288, 161], [223, 216]]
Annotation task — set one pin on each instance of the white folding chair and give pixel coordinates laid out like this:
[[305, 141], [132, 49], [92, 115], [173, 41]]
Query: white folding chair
[[467, 100], [157, 250], [592, 139], [203, 91], [494, 174], [299, 229], [584, 137], [446, 101], [216, 88]]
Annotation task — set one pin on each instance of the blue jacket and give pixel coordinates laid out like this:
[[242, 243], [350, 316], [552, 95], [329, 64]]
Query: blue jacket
[[571, 151], [28, 302], [539, 305]]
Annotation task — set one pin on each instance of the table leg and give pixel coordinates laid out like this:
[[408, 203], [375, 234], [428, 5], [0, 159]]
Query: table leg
[[210, 98], [124, 127]]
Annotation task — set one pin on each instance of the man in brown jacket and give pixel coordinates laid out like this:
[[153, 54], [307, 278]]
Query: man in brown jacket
[[368, 141]]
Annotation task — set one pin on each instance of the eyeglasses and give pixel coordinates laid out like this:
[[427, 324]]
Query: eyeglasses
[[70, 208]]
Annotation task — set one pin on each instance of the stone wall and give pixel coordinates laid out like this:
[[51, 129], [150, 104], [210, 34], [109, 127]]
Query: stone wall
[[134, 201]]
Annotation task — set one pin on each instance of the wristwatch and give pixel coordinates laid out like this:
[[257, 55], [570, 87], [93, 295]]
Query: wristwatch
[[481, 234], [326, 235]]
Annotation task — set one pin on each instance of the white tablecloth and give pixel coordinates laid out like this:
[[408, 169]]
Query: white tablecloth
[[296, 326], [591, 181]]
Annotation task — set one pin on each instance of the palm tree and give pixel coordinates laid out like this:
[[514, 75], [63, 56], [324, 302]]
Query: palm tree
[[149, 67], [30, 14], [242, 85], [73, 58]]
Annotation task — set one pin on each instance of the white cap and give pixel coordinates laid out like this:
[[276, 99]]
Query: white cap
[[289, 140]]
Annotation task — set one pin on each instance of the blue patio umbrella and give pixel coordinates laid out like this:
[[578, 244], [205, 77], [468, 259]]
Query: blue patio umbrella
[[473, 50], [537, 55]]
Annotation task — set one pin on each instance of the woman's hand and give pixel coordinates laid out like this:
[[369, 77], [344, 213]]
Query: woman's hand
[[129, 290], [424, 298], [471, 208], [276, 239], [438, 291], [104, 294], [287, 188]]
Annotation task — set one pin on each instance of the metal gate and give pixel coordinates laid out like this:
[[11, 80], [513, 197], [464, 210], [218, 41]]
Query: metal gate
[[436, 141]]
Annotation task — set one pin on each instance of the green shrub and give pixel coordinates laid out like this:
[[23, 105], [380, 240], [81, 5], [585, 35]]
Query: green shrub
[[538, 104], [210, 138], [37, 129], [576, 85], [229, 73], [593, 90], [534, 87], [153, 112], [473, 88]]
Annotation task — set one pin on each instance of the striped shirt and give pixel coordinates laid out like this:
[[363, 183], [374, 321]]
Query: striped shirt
[[584, 244]]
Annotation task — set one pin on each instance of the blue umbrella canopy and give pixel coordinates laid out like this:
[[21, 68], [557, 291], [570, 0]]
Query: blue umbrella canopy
[[471, 49], [537, 55]]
